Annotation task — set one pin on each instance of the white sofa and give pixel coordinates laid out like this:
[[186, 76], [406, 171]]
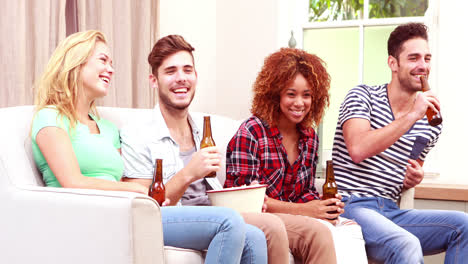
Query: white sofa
[[58, 225]]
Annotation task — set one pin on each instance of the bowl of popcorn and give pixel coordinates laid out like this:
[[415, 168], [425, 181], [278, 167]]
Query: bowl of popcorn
[[243, 199]]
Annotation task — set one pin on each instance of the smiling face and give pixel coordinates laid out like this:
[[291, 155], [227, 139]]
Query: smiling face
[[97, 72], [414, 60], [295, 101], [176, 81]]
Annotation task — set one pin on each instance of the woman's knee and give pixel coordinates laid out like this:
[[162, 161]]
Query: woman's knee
[[274, 228], [319, 233]]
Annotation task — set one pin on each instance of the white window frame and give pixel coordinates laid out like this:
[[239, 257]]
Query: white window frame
[[431, 170], [361, 24]]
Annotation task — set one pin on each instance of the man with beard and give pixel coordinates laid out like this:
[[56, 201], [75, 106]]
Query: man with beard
[[174, 135], [381, 141]]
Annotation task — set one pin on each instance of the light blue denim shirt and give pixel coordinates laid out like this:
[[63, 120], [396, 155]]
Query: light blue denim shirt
[[144, 142]]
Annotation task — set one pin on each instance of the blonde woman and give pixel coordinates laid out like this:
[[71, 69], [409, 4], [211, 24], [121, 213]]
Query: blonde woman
[[74, 148], [71, 145]]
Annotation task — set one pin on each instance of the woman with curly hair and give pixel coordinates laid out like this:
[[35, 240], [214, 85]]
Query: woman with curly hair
[[278, 146]]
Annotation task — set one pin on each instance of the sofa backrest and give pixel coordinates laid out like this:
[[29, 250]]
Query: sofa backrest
[[123, 116], [16, 160], [15, 148], [223, 128]]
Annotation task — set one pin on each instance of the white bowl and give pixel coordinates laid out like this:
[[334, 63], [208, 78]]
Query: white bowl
[[242, 199]]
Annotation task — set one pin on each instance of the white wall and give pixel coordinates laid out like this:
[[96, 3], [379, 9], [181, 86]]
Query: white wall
[[246, 34], [231, 40], [453, 90], [196, 22]]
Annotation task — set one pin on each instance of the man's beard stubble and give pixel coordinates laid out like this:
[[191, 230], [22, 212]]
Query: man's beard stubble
[[164, 99]]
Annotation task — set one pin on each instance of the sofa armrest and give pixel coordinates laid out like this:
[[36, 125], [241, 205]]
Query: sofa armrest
[[407, 199], [59, 225]]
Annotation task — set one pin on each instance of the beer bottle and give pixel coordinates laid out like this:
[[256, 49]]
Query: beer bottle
[[157, 190], [207, 140], [434, 118], [329, 187]]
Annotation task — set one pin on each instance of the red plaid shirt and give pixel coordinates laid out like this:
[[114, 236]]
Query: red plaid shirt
[[256, 153]]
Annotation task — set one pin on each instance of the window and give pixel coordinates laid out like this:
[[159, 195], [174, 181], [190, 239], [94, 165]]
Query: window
[[351, 37], [339, 10]]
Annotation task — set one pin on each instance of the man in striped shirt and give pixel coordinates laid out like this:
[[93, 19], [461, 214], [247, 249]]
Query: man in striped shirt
[[381, 141]]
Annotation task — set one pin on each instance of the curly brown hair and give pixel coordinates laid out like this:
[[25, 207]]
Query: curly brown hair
[[278, 72]]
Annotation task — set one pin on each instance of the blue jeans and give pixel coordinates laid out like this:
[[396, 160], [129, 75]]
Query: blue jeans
[[404, 236], [220, 230]]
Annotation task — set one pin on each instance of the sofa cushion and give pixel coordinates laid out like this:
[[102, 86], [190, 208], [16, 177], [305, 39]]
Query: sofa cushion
[[182, 255]]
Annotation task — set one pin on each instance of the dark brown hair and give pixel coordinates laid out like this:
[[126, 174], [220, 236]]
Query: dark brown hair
[[403, 33], [278, 72], [165, 47]]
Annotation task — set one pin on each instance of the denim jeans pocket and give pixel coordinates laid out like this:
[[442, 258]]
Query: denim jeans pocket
[[347, 200]]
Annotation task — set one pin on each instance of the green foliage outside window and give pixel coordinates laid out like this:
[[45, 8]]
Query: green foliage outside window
[[335, 10]]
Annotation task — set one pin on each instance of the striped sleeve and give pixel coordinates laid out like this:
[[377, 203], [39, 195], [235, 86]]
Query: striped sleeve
[[357, 104], [431, 143], [381, 175]]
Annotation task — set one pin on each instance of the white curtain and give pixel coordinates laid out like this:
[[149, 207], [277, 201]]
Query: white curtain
[[30, 31], [130, 28]]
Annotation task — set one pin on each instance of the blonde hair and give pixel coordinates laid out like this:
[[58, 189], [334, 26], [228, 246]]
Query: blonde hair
[[60, 82]]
